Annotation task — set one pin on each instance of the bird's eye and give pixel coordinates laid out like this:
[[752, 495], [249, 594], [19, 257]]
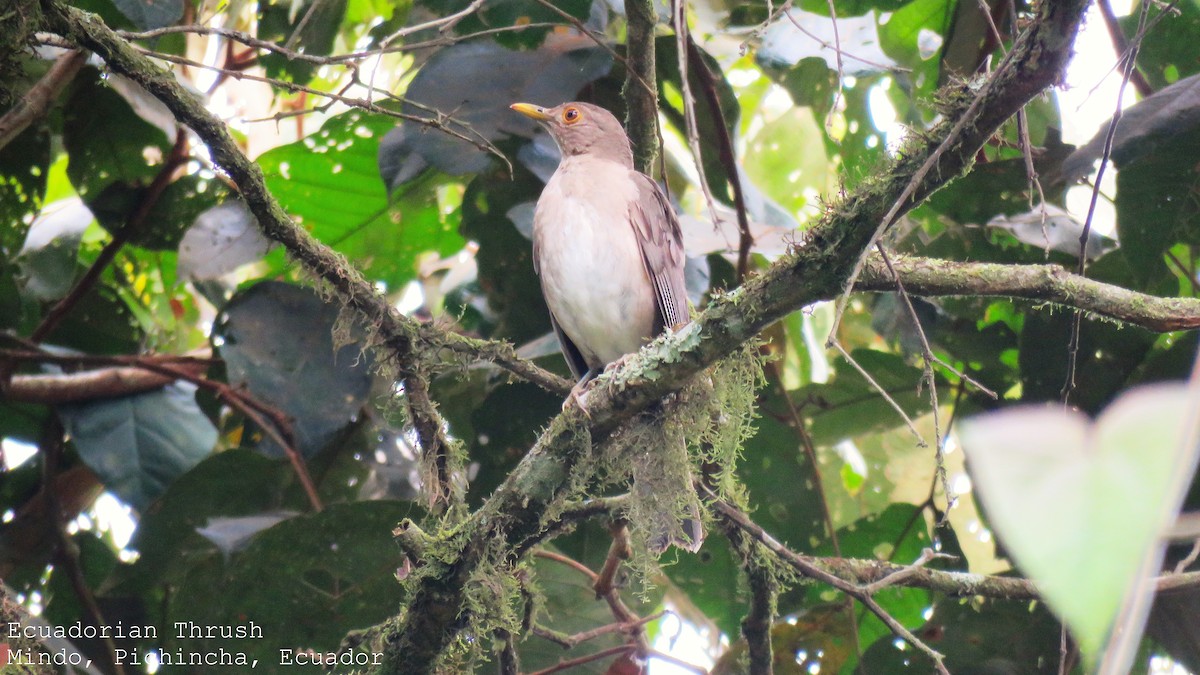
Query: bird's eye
[[572, 115]]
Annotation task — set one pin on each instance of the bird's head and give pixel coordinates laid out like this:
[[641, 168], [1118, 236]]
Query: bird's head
[[582, 128]]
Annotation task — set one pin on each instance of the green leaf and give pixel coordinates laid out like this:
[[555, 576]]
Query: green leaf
[[100, 323], [906, 34], [851, 7], [173, 210], [505, 256], [781, 481], [1156, 207], [1108, 355], [304, 584], [1080, 505], [708, 124], [811, 82], [47, 261], [106, 140], [976, 636], [1168, 53], [781, 159], [277, 341], [849, 405], [707, 579], [329, 182], [229, 484], [139, 444]]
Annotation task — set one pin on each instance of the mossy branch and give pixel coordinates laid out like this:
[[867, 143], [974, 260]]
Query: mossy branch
[[515, 515], [641, 85], [1048, 283]]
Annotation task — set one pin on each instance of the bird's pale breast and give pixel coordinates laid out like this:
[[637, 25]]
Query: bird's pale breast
[[589, 260]]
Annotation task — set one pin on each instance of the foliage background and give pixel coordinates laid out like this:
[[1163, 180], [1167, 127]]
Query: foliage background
[[124, 247]]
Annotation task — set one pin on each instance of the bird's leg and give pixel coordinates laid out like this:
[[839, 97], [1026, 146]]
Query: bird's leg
[[579, 392]]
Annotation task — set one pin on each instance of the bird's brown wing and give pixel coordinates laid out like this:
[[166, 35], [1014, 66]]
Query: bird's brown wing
[[661, 240]]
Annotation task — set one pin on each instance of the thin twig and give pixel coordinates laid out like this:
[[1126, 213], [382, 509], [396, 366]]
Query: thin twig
[[600, 40], [796, 421], [806, 566], [927, 373], [1190, 558], [914, 184], [692, 132], [1121, 46], [443, 24], [567, 664], [893, 68], [725, 151], [841, 68], [568, 561], [1077, 318], [618, 552], [572, 641], [882, 392], [927, 555], [331, 60], [440, 122]]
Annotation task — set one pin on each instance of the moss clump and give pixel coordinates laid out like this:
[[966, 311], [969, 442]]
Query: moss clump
[[696, 434]]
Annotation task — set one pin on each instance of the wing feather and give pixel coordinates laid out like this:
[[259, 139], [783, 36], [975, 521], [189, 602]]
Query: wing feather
[[661, 241]]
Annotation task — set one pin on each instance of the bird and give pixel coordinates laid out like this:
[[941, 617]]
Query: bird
[[608, 251]]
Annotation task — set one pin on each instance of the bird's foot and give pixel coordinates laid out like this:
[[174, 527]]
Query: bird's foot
[[578, 396], [618, 363]]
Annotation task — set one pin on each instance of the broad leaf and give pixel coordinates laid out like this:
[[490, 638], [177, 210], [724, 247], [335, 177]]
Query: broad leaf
[[329, 183], [277, 341], [1079, 504], [139, 444]]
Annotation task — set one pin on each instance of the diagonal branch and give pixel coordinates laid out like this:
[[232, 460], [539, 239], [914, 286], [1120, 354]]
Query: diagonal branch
[[514, 515]]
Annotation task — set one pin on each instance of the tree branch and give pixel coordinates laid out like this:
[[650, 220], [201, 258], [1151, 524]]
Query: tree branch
[[640, 90], [1049, 283], [513, 516], [36, 102], [88, 385]]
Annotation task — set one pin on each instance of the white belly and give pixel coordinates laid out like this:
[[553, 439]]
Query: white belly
[[596, 285]]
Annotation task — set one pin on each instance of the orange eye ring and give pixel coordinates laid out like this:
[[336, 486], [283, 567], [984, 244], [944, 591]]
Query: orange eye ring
[[572, 115]]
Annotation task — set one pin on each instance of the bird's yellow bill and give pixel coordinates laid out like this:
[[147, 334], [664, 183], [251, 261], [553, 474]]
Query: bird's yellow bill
[[530, 110]]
